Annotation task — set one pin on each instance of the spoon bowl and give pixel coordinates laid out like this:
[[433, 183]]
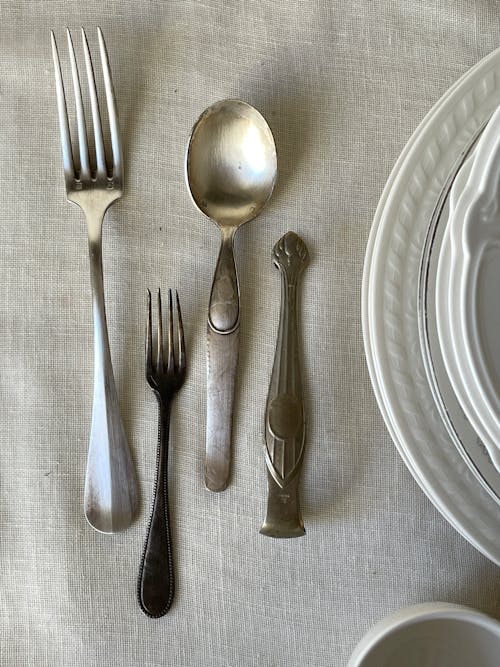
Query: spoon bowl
[[231, 164]]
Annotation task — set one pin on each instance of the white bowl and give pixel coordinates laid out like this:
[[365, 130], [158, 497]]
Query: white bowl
[[431, 635]]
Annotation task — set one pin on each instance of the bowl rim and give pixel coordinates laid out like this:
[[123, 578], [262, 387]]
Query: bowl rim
[[414, 614]]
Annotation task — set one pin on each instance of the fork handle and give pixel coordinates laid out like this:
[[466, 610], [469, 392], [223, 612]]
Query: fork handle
[[156, 574], [111, 496]]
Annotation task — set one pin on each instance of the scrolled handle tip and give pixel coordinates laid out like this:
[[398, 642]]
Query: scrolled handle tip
[[290, 253]]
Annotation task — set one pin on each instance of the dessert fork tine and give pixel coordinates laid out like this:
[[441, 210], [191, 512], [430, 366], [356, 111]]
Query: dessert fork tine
[[110, 497], [165, 377]]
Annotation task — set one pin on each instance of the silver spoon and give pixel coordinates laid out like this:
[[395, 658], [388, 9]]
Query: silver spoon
[[231, 170]]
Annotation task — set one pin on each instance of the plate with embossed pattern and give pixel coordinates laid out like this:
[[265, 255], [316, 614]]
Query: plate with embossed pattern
[[439, 354], [390, 304], [474, 278]]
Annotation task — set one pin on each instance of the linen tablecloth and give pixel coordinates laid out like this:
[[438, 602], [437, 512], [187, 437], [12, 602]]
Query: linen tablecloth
[[342, 85]]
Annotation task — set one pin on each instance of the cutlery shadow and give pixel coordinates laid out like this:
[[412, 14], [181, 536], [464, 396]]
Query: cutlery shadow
[[133, 87], [131, 93], [336, 461], [291, 111], [288, 113]]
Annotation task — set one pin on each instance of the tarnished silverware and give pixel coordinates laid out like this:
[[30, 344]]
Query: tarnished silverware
[[231, 170], [110, 498], [165, 375], [285, 421]]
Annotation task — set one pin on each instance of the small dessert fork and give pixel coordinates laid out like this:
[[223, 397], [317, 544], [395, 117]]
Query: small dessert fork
[[156, 576], [110, 498]]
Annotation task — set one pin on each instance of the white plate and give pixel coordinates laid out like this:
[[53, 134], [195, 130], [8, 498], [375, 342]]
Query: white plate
[[478, 309], [441, 368], [450, 317], [458, 366], [390, 305], [450, 310]]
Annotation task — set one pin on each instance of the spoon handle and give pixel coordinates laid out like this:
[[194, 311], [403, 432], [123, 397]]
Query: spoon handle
[[223, 334], [285, 423], [224, 306], [222, 361]]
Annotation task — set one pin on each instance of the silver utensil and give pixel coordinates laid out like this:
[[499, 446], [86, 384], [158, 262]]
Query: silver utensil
[[110, 498], [285, 421], [165, 376], [231, 171]]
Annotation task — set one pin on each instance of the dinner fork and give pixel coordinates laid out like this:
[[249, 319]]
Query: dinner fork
[[165, 377], [110, 497]]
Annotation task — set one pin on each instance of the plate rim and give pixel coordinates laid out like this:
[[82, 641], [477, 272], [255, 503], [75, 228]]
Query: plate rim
[[483, 184], [436, 340], [458, 105], [482, 422]]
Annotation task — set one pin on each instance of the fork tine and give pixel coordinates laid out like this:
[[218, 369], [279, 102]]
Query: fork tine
[[159, 342], [80, 115], [68, 166], [182, 348], [149, 340], [114, 129], [170, 344], [94, 105]]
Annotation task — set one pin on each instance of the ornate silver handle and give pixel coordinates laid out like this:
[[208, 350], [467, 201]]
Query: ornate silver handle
[[285, 422], [110, 497]]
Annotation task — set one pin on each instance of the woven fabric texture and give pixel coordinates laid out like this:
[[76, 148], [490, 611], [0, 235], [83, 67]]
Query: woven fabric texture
[[342, 85]]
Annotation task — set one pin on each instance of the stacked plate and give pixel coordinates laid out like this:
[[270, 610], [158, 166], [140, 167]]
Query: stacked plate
[[467, 289], [431, 305]]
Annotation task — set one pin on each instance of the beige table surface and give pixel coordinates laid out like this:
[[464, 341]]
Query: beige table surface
[[343, 85]]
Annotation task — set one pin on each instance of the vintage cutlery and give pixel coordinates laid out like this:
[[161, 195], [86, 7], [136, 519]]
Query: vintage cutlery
[[285, 422], [231, 170], [165, 375], [110, 498]]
